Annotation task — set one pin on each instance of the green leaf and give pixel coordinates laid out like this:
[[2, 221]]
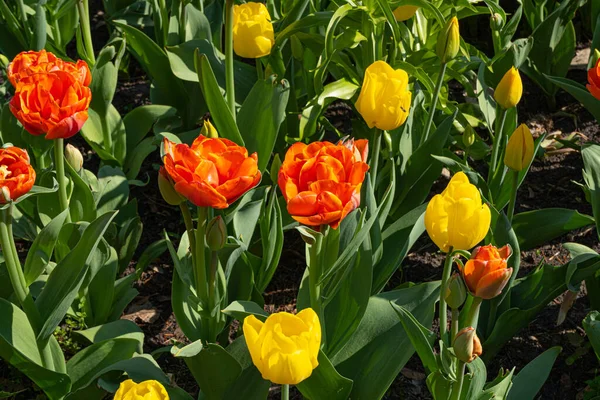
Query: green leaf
[[241, 309], [93, 131], [591, 175], [38, 40], [249, 385], [580, 93], [81, 203], [532, 377], [325, 382], [114, 189], [112, 330], [420, 337], [139, 121], [534, 228], [591, 324], [263, 111], [65, 280]]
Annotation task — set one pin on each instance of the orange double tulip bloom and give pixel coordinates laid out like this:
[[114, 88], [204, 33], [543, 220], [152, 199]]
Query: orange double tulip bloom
[[594, 80], [36, 62], [17, 176], [486, 273], [321, 181], [212, 172], [53, 103]]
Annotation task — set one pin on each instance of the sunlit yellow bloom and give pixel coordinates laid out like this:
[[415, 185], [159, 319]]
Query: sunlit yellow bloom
[[519, 150], [510, 89], [253, 35], [404, 13], [457, 218], [285, 347], [448, 42], [384, 100], [147, 390]]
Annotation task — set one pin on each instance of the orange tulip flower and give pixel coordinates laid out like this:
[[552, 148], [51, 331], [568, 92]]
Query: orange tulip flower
[[321, 181], [212, 172], [53, 103], [486, 273], [35, 62], [17, 176], [594, 80]]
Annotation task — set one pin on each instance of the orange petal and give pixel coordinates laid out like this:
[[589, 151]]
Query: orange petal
[[68, 126], [233, 189], [201, 194], [303, 205], [491, 285]]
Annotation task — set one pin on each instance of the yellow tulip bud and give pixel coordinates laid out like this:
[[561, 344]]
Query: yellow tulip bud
[[285, 347], [147, 390], [216, 233], [209, 130], [456, 292], [253, 34], [167, 191], [448, 42], [74, 157], [510, 89], [467, 346], [404, 13], [519, 150], [384, 100], [457, 218]]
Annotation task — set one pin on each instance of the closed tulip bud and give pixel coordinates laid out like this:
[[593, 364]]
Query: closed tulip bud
[[448, 43], [168, 192], [284, 348], [74, 157], [253, 34], [519, 150], [209, 130], [147, 390], [456, 293], [216, 233], [487, 272], [404, 13], [510, 89], [467, 346], [593, 85], [468, 136], [457, 217], [4, 61], [384, 100], [496, 22]]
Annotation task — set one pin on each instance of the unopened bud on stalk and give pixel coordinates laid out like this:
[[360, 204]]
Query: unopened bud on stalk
[[456, 292], [468, 136], [510, 89], [448, 43], [496, 22], [216, 234], [167, 190], [467, 346], [519, 150], [74, 157], [209, 130], [4, 61]]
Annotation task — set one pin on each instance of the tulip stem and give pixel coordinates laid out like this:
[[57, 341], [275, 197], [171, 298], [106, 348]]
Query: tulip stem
[[496, 146], [201, 289], [436, 95], [86, 32], [473, 315], [285, 392], [513, 196], [454, 329], [182, 18], [314, 274], [460, 377], [443, 309], [59, 164], [375, 156], [229, 77], [189, 226]]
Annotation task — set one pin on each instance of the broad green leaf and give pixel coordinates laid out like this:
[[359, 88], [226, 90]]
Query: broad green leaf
[[139, 121], [591, 175], [241, 309], [591, 324], [114, 189], [580, 93], [325, 382], [420, 337], [249, 385], [532, 377], [112, 330]]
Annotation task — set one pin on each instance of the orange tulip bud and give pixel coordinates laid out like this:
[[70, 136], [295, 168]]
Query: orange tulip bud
[[467, 346], [594, 80], [35, 62], [54, 103], [486, 273], [321, 181], [17, 176], [213, 172]]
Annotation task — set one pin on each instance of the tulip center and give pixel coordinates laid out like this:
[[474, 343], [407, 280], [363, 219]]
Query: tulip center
[[4, 172]]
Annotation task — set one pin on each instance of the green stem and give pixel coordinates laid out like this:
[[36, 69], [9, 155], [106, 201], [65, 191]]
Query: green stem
[[57, 34], [375, 156], [491, 322], [260, 72], [86, 32], [443, 309], [496, 146], [201, 287], [513, 196], [454, 330], [460, 376], [201, 5], [436, 95], [163, 14], [285, 392], [473, 316], [22, 14], [189, 226], [229, 77], [59, 164], [314, 275], [182, 18]]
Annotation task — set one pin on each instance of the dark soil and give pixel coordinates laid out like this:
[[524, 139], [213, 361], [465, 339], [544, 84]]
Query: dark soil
[[550, 183]]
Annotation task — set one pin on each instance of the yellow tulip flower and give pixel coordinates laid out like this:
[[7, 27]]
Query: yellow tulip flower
[[147, 390], [448, 41], [384, 100], [285, 347], [510, 89], [404, 13], [457, 218], [253, 35], [519, 150]]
